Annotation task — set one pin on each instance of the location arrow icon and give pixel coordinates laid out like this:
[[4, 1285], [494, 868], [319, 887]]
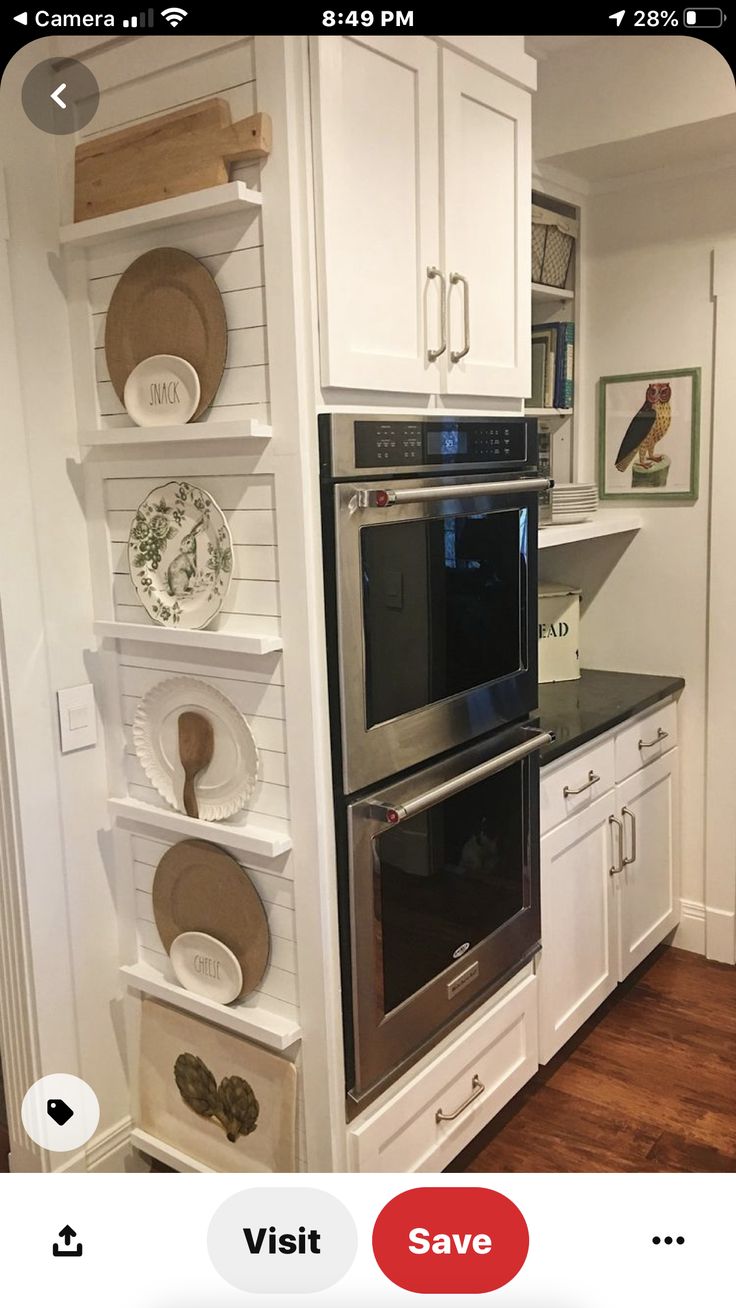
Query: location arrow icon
[[619, 17]]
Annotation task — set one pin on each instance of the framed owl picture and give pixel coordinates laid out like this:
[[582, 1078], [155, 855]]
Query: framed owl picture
[[648, 435]]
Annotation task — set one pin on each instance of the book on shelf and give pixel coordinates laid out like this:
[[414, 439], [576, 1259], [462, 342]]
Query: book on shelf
[[553, 348]]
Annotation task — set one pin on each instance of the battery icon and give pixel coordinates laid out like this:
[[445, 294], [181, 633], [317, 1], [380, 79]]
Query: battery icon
[[703, 18]]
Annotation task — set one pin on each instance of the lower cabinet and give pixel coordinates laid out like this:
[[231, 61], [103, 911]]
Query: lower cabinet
[[578, 968], [648, 883], [437, 1110], [609, 881]]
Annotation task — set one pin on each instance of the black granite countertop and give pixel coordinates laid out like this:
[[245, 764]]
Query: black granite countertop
[[577, 711]]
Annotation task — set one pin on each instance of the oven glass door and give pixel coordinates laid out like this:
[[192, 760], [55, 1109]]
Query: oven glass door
[[444, 894], [442, 607], [447, 879], [436, 616]]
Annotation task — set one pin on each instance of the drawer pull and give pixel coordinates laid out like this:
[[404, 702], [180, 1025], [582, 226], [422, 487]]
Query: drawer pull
[[592, 778], [649, 744], [614, 822], [478, 1088], [626, 812]]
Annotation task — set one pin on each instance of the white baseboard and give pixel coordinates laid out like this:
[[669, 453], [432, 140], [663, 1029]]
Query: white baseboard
[[690, 934], [109, 1151], [720, 934]]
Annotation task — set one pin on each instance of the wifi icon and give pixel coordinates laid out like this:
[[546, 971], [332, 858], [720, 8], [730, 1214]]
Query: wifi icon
[[173, 16]]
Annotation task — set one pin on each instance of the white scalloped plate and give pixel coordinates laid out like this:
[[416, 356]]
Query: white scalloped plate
[[226, 784]]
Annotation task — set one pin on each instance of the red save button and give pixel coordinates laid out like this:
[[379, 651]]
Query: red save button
[[453, 1239]]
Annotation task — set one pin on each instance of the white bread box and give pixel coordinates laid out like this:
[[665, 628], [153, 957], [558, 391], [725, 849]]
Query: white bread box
[[559, 632]]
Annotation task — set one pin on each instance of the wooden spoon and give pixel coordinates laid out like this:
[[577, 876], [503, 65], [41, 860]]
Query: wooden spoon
[[196, 746]]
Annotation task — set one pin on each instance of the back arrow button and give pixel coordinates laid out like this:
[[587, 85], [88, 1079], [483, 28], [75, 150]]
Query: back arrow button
[[56, 95]]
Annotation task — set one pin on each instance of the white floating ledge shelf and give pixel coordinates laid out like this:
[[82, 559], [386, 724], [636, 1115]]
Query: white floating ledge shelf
[[225, 641], [548, 413], [245, 836], [212, 202], [610, 522], [542, 292], [257, 1023], [165, 1153], [242, 429]]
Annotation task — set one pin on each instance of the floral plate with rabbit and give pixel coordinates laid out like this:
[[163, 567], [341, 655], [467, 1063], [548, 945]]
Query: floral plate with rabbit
[[180, 555]]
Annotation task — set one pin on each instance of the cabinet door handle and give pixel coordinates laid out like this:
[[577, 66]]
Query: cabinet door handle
[[649, 744], [433, 272], [626, 812], [592, 778], [457, 355], [478, 1088], [614, 822]]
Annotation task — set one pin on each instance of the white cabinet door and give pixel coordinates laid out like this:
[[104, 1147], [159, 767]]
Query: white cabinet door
[[578, 964], [487, 230], [376, 140], [648, 886]]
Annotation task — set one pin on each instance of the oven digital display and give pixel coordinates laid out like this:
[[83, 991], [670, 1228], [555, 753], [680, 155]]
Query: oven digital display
[[447, 441]]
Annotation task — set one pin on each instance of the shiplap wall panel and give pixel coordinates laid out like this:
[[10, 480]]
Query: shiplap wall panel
[[230, 248], [169, 76]]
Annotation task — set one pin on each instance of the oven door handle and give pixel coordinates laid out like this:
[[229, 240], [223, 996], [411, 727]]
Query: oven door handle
[[382, 499], [393, 814]]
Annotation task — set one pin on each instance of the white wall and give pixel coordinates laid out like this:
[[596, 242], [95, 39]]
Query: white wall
[[48, 632], [647, 304], [624, 87]]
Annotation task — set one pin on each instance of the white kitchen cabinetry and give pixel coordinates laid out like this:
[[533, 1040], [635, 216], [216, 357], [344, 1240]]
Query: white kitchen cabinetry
[[579, 964], [647, 803], [609, 873], [422, 181], [438, 1108], [486, 155]]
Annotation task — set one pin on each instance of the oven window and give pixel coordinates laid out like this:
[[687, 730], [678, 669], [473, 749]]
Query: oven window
[[445, 880], [441, 607]]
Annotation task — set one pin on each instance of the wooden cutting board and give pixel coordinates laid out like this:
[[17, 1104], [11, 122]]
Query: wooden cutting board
[[187, 150], [200, 887], [167, 302]]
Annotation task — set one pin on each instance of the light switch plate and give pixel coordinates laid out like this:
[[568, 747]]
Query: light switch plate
[[77, 718]]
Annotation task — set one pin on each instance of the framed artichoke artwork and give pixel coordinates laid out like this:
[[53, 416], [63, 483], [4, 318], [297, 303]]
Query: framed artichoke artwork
[[223, 1100]]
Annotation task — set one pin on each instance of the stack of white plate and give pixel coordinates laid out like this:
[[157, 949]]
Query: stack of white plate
[[574, 502]]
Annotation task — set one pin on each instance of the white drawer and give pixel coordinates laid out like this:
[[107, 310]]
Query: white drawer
[[499, 1048], [645, 739], [572, 774]]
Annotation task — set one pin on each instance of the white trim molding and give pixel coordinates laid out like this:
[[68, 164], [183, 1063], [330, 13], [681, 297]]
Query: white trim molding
[[720, 813], [690, 934]]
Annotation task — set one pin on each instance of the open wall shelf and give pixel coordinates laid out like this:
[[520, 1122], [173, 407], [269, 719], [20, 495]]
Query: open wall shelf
[[165, 1153], [244, 429], [611, 522], [212, 202], [145, 633], [247, 835], [254, 1021]]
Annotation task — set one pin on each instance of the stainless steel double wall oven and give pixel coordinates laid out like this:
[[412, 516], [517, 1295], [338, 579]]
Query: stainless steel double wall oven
[[430, 531]]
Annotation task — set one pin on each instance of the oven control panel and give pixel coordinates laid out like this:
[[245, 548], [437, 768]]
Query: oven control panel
[[390, 443]]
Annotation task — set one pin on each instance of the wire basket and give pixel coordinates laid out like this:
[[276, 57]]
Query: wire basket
[[553, 243]]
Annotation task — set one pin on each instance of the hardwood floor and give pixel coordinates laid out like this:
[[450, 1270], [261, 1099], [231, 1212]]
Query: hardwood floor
[[648, 1085]]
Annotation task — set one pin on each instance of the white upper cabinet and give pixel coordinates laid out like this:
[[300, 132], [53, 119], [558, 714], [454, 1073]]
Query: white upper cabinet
[[377, 182], [486, 154], [423, 185]]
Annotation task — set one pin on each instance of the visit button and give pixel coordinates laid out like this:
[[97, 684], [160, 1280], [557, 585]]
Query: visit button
[[450, 1240]]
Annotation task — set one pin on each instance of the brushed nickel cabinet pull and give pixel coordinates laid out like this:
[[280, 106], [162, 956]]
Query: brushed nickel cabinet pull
[[592, 778], [457, 355], [433, 272], [626, 812], [649, 744], [478, 1088], [614, 822]]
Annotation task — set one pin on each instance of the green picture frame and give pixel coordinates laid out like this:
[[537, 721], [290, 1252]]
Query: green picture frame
[[635, 414]]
